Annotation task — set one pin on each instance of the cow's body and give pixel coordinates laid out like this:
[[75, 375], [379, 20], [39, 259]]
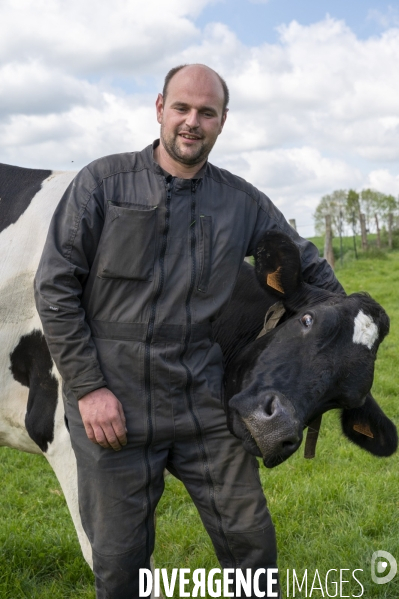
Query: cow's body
[[23, 230], [31, 408]]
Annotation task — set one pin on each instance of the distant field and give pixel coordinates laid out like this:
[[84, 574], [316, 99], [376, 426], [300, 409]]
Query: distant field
[[331, 512], [352, 247]]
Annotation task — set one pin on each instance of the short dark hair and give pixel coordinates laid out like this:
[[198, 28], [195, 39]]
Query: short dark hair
[[175, 70]]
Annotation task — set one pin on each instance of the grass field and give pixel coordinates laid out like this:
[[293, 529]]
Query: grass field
[[331, 512]]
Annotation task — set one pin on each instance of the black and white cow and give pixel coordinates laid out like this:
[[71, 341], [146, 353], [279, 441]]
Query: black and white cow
[[31, 408], [320, 356]]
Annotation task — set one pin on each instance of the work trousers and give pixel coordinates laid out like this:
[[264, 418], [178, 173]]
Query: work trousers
[[119, 491]]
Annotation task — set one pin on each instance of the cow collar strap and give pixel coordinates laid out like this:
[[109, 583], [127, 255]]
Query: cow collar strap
[[272, 318], [311, 438]]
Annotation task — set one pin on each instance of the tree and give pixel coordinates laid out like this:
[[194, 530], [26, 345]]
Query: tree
[[346, 206], [352, 213], [374, 202], [389, 205], [333, 204], [352, 209]]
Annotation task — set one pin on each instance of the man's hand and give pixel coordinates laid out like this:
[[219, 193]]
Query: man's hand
[[103, 418]]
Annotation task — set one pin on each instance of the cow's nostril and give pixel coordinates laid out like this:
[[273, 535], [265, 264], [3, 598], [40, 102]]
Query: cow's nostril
[[287, 444], [269, 406], [268, 409], [290, 444]]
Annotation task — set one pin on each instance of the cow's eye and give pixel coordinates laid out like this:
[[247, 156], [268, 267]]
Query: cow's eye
[[307, 320]]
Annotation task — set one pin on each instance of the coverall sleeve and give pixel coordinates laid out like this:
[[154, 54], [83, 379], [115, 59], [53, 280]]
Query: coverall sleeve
[[68, 253], [316, 271]]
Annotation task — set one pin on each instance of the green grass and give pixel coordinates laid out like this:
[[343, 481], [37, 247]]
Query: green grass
[[352, 250], [39, 554], [330, 512]]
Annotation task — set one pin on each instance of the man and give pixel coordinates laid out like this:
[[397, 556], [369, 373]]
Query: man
[[142, 254]]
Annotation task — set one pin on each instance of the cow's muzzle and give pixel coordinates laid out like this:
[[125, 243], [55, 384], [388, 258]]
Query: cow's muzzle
[[267, 424]]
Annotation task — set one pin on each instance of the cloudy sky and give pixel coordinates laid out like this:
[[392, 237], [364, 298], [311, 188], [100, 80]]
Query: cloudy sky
[[314, 86]]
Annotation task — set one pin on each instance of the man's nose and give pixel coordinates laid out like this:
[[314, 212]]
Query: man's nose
[[192, 120]]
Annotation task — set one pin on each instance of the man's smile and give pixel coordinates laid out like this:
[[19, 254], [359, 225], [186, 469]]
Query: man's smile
[[190, 136]]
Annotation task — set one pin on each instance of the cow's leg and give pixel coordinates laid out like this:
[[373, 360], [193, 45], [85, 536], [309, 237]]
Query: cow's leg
[[62, 459]]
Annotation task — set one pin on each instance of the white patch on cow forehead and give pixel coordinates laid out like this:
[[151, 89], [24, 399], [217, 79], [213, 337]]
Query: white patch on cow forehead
[[366, 331]]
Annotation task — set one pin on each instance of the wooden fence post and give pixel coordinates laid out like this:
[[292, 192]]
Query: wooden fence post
[[293, 223], [354, 234], [363, 231], [390, 227], [378, 231], [328, 248]]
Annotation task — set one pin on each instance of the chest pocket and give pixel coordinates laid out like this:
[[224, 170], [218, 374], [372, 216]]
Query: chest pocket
[[127, 245]]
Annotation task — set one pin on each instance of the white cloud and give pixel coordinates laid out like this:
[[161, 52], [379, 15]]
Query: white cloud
[[384, 181], [92, 37], [33, 88], [389, 18], [314, 112], [77, 136]]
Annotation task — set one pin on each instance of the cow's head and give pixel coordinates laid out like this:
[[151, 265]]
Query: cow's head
[[321, 356]]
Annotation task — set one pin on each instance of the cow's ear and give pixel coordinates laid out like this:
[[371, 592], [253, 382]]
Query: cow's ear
[[278, 264], [369, 428]]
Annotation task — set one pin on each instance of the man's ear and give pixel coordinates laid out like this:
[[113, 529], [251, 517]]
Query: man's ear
[[159, 107], [224, 117], [369, 428]]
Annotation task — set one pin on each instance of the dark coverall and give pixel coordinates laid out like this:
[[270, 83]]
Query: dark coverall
[[135, 268]]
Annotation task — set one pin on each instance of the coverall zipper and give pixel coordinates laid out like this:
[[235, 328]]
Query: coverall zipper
[[189, 378]]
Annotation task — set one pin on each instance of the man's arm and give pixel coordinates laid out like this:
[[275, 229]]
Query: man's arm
[[65, 264], [315, 270]]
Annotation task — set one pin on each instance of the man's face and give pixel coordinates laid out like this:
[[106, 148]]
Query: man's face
[[192, 115]]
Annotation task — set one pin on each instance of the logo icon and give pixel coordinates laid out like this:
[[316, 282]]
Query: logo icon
[[379, 565]]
